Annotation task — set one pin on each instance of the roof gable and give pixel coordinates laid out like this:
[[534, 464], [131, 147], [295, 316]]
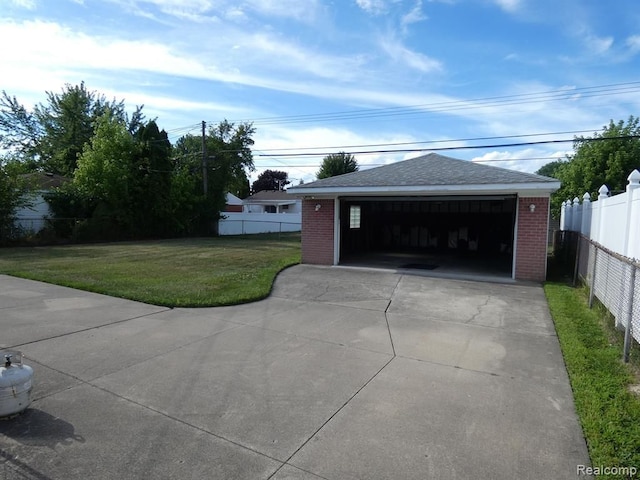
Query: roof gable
[[428, 171], [44, 181], [266, 196]]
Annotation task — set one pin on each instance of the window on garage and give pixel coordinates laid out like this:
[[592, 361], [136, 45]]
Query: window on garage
[[354, 216]]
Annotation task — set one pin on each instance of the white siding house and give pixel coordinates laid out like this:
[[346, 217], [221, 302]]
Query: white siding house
[[272, 202]]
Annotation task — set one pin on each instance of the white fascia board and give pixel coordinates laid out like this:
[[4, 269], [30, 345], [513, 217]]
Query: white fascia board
[[522, 189], [272, 202]]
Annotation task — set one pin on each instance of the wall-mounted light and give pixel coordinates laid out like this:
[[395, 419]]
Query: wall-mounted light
[[532, 208], [318, 206]]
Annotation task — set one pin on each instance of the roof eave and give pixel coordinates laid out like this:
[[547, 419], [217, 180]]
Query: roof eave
[[522, 189]]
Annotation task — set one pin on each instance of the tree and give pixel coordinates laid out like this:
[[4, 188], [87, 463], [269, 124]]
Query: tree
[[605, 158], [54, 134], [337, 164], [151, 181], [13, 194], [270, 180], [20, 131], [228, 157], [552, 169], [105, 177]]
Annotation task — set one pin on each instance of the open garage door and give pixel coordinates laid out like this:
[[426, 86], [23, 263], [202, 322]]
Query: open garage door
[[472, 233]]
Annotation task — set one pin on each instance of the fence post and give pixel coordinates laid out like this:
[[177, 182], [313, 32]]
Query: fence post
[[593, 276], [585, 226], [627, 330], [577, 262], [577, 215], [568, 222], [634, 182], [603, 192]]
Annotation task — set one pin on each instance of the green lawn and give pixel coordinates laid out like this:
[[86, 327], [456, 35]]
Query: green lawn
[[186, 272], [592, 350]]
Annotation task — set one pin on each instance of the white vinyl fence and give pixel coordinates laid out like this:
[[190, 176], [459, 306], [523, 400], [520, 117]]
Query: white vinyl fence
[[609, 251], [241, 223]]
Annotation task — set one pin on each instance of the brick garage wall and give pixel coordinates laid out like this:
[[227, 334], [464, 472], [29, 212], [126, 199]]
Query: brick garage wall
[[317, 232], [531, 247]]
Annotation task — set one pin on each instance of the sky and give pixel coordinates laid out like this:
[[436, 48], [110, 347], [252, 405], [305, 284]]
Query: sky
[[385, 80]]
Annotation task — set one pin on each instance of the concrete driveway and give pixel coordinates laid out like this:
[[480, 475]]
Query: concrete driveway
[[340, 374]]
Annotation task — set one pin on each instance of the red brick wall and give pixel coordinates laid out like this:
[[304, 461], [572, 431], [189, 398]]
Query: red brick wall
[[317, 232], [531, 246], [233, 208]]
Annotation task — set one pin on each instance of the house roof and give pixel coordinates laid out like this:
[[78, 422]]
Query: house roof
[[269, 197], [45, 180], [429, 173], [232, 199]]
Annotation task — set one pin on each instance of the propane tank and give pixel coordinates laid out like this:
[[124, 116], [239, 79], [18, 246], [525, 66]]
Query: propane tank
[[15, 385]]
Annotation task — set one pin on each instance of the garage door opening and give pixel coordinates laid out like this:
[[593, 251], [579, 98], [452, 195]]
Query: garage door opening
[[471, 234]]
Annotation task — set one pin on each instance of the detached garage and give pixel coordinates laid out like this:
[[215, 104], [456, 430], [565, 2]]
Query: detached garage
[[429, 212]]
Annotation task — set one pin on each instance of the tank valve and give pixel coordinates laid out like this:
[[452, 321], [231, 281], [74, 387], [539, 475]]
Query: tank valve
[[7, 361]]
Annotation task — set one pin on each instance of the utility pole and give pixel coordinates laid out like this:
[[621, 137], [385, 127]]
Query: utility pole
[[205, 179]]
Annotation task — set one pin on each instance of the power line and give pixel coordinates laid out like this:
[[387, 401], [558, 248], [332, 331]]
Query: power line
[[440, 149], [454, 105], [424, 142], [439, 107], [487, 160]]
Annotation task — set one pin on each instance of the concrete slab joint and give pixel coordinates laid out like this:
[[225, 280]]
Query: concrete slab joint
[[340, 373]]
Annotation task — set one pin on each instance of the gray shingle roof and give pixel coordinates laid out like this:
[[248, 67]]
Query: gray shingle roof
[[428, 170], [267, 196]]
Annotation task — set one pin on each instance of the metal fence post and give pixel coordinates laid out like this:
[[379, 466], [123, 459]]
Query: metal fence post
[[577, 262], [627, 330], [593, 277]]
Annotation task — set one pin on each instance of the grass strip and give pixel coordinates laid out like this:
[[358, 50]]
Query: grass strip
[[592, 350], [196, 272]]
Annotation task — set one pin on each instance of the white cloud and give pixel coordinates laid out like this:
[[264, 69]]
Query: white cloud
[[525, 160], [50, 46], [598, 45], [633, 42], [373, 7], [301, 10], [201, 10], [414, 16], [416, 60], [510, 6], [28, 4], [330, 139], [272, 53]]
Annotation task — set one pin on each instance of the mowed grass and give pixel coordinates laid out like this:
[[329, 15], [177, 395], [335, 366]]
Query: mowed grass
[[195, 272], [592, 350]]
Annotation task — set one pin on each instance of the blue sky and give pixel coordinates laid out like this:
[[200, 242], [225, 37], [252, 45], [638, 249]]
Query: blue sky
[[327, 75]]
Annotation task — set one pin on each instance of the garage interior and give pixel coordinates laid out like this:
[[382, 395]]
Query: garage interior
[[452, 234]]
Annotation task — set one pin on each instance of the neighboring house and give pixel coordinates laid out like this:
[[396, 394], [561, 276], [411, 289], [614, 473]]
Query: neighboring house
[[272, 202], [430, 204], [32, 218], [234, 204]]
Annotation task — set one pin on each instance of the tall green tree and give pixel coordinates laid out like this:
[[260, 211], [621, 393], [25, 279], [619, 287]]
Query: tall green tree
[[105, 177], [20, 130], [270, 180], [228, 158], [337, 164], [13, 194], [606, 158], [552, 169], [54, 134], [151, 174]]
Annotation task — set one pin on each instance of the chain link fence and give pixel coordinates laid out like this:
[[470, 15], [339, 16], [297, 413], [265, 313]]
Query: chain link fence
[[615, 281]]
